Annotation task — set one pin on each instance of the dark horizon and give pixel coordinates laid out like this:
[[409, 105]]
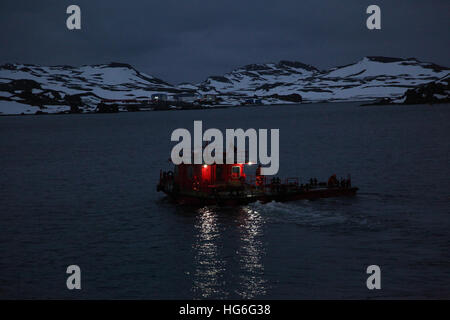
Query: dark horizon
[[187, 42]]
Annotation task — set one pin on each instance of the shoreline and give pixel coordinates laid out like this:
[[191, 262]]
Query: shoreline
[[181, 109], [365, 103]]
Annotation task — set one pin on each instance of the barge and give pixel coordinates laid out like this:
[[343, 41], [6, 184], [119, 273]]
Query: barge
[[229, 185]]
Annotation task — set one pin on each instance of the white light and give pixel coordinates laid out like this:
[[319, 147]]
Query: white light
[[250, 163], [205, 166]]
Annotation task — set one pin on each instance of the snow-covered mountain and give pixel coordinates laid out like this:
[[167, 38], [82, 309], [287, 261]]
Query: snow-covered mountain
[[31, 88], [368, 79], [51, 89]]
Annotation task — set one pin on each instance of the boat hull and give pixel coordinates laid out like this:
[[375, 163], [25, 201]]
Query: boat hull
[[198, 199]]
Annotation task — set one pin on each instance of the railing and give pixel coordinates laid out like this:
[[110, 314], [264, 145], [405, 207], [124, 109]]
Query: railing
[[251, 179]]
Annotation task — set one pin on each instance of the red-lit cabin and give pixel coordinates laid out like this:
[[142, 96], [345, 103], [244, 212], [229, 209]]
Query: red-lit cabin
[[198, 177]]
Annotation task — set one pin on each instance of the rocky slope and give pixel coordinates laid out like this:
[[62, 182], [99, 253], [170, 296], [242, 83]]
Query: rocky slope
[[31, 88], [432, 92]]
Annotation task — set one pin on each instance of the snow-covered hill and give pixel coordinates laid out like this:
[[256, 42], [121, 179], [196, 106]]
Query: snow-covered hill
[[52, 88], [368, 79], [31, 88]]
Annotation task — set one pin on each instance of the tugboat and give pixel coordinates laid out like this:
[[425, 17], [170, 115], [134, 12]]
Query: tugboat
[[228, 185]]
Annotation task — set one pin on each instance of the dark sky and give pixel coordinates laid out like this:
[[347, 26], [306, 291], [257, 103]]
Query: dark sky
[[188, 40]]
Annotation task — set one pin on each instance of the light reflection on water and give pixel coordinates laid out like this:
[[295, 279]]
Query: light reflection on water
[[252, 281], [209, 268], [211, 277]]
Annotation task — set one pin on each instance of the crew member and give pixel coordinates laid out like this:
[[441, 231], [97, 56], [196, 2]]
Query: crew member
[[259, 178], [333, 181]]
